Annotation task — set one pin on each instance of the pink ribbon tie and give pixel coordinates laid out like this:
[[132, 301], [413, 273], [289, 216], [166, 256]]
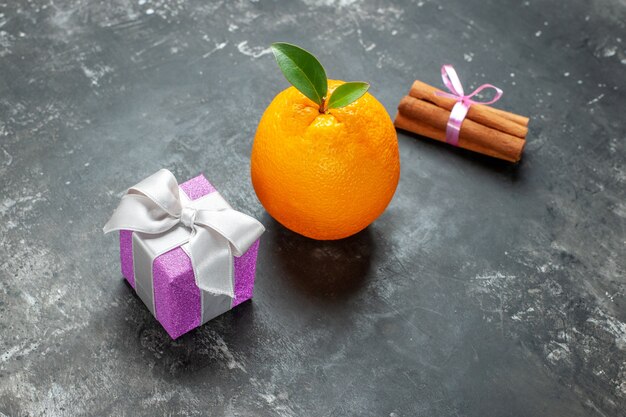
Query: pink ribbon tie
[[460, 109]]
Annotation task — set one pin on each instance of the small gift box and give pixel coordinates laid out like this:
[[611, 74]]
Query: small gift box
[[189, 256]]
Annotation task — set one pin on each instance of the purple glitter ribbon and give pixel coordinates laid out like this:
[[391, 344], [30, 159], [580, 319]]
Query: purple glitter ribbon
[[460, 109]]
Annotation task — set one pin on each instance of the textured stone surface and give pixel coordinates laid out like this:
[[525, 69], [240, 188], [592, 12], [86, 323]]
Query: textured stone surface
[[483, 290]]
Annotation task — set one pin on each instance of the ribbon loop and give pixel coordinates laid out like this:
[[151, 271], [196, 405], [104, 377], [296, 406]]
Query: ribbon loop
[[459, 111], [213, 232], [451, 80], [495, 98], [162, 188]]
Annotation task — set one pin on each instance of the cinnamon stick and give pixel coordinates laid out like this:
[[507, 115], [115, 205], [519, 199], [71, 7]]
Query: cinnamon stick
[[425, 118], [503, 121], [414, 126]]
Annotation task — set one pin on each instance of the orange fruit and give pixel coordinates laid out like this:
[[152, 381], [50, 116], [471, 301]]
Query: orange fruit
[[325, 175]]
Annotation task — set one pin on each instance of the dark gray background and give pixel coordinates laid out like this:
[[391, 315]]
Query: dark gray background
[[484, 290]]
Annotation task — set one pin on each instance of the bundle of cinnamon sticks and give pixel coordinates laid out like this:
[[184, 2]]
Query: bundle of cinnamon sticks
[[486, 130]]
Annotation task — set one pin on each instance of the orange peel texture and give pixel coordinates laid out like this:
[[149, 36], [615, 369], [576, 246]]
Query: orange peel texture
[[325, 176]]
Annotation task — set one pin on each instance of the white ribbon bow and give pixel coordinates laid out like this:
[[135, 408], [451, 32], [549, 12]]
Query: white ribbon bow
[[212, 231]]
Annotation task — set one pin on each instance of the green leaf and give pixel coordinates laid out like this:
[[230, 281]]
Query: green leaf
[[302, 70], [347, 93]]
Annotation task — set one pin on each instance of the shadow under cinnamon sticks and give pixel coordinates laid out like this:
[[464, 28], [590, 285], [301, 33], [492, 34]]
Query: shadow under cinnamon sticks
[[512, 171]]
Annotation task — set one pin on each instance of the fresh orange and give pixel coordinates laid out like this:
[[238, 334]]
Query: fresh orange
[[325, 175]]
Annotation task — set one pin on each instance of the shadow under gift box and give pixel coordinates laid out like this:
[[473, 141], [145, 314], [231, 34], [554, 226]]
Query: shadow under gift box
[[177, 298]]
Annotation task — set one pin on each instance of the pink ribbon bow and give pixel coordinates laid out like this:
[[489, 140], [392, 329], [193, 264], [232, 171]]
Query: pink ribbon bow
[[460, 109]]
